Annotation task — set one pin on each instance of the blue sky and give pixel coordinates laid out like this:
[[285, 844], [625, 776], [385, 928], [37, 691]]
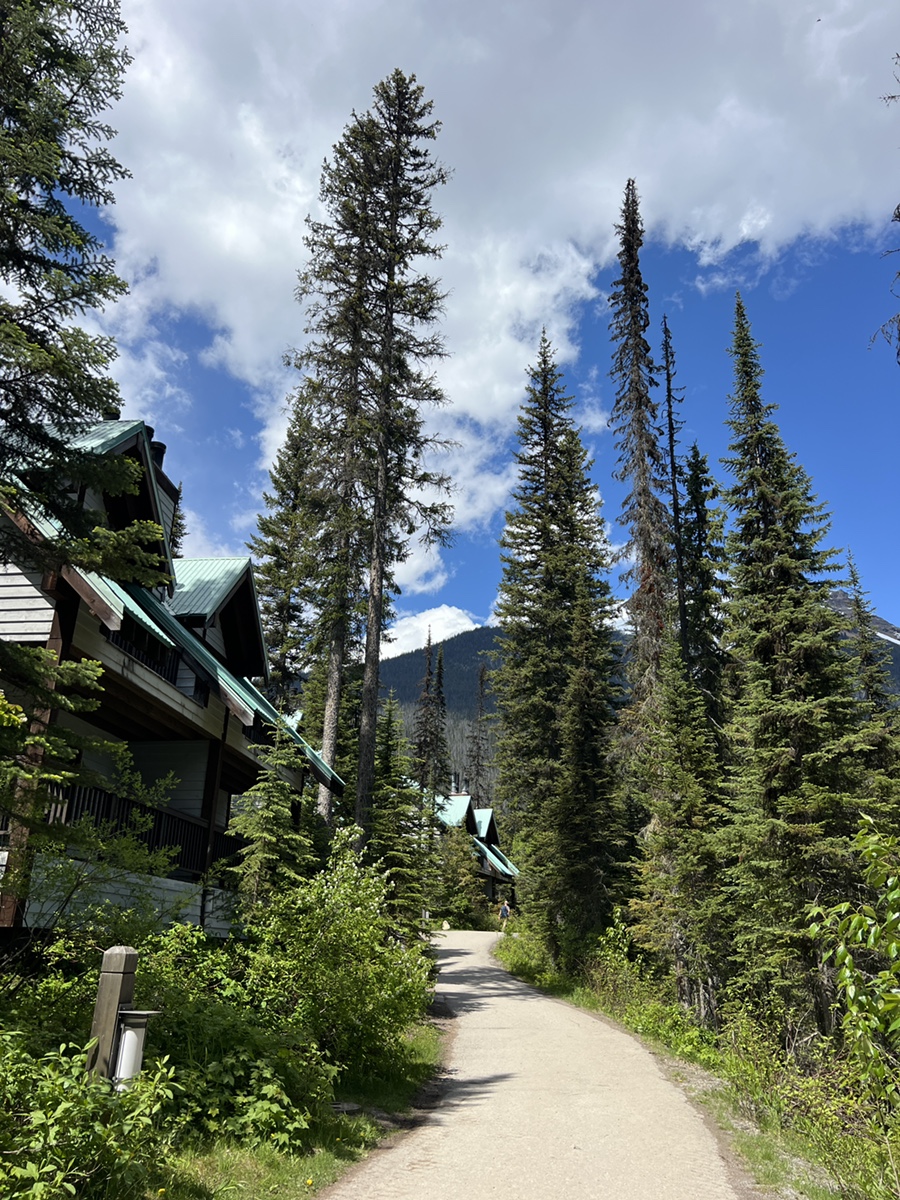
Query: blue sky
[[764, 156]]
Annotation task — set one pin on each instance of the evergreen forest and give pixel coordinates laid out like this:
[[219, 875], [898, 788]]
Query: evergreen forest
[[697, 777]]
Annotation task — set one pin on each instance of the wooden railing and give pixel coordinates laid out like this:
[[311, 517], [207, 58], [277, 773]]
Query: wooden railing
[[157, 828], [164, 664]]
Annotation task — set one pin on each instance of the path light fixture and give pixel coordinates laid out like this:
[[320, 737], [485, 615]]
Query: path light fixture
[[132, 1031]]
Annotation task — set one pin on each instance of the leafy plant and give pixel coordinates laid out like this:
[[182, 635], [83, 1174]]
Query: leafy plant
[[64, 1133]]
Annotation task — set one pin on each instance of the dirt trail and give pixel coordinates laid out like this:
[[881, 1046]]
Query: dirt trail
[[542, 1101]]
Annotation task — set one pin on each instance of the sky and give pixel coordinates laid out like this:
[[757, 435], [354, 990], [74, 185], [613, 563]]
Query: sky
[[764, 155]]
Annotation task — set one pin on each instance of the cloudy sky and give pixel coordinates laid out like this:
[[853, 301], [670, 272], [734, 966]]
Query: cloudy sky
[[764, 156]]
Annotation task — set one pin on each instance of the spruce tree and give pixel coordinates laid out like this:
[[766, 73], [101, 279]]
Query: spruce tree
[[371, 315], [430, 751], [555, 661], [673, 428], [274, 821], [703, 564], [403, 840], [61, 68], [680, 911], [799, 773], [285, 580], [642, 462], [478, 749]]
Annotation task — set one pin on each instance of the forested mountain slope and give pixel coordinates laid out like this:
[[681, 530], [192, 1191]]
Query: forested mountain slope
[[465, 653]]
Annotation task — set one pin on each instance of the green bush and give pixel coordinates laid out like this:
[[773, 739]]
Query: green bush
[[240, 1076], [64, 1133], [322, 961]]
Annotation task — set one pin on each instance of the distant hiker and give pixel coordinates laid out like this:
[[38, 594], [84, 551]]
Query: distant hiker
[[503, 915]]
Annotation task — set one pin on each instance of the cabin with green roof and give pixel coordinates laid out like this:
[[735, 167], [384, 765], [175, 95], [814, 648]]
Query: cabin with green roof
[[184, 666], [497, 873]]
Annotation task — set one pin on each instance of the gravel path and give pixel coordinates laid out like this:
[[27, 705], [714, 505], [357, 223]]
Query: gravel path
[[544, 1102]]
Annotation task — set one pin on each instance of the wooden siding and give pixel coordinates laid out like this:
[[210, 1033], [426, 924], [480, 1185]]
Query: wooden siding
[[186, 760], [25, 612], [212, 636], [90, 642]]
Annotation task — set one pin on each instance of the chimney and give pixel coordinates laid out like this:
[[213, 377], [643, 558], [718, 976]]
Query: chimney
[[158, 453], [466, 784], [454, 780]]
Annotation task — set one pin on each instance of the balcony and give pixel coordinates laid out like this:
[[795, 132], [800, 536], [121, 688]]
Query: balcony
[[157, 828]]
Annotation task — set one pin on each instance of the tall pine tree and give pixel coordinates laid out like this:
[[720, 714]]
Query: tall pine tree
[[800, 773], [642, 462], [553, 679], [430, 750], [371, 315]]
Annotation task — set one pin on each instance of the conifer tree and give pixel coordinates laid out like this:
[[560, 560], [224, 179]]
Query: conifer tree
[[179, 526], [462, 899], [61, 68], [286, 579], [586, 874], [673, 428], [403, 839], [680, 909], [800, 772], [703, 563], [556, 659], [641, 464], [371, 315], [478, 750], [869, 655], [430, 749], [276, 826]]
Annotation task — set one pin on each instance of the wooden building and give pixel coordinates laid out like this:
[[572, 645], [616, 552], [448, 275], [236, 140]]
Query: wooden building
[[177, 668]]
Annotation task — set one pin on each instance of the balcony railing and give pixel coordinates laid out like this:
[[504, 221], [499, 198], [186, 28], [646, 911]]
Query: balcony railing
[[157, 828]]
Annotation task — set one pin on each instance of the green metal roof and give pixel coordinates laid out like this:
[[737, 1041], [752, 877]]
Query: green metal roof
[[121, 603], [452, 809], [202, 585], [106, 435], [242, 690], [498, 853], [499, 861]]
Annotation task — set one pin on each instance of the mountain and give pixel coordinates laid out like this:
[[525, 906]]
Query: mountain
[[465, 653], [463, 658], [887, 632]]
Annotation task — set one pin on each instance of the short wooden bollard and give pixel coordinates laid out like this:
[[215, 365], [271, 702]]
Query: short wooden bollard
[[115, 992]]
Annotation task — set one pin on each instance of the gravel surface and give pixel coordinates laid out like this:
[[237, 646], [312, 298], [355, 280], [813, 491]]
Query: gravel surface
[[543, 1101]]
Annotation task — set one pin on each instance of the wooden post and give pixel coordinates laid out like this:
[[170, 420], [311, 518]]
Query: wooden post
[[116, 991]]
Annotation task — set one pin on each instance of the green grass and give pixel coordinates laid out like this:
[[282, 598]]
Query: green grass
[[218, 1170]]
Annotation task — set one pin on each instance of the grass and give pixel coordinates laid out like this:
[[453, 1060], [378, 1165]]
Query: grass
[[219, 1169]]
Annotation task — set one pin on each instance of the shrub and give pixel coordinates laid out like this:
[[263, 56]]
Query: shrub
[[64, 1133], [239, 1076], [323, 962]]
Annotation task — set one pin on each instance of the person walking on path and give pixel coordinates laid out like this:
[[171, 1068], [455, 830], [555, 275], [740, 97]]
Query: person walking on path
[[503, 915], [542, 1100]]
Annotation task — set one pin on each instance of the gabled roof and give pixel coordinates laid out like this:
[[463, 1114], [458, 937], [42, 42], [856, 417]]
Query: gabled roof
[[487, 826], [497, 860], [511, 868], [223, 589], [204, 585], [456, 810], [238, 694], [107, 435]]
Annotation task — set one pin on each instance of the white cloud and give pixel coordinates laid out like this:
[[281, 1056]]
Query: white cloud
[[411, 632], [755, 121], [199, 542]]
